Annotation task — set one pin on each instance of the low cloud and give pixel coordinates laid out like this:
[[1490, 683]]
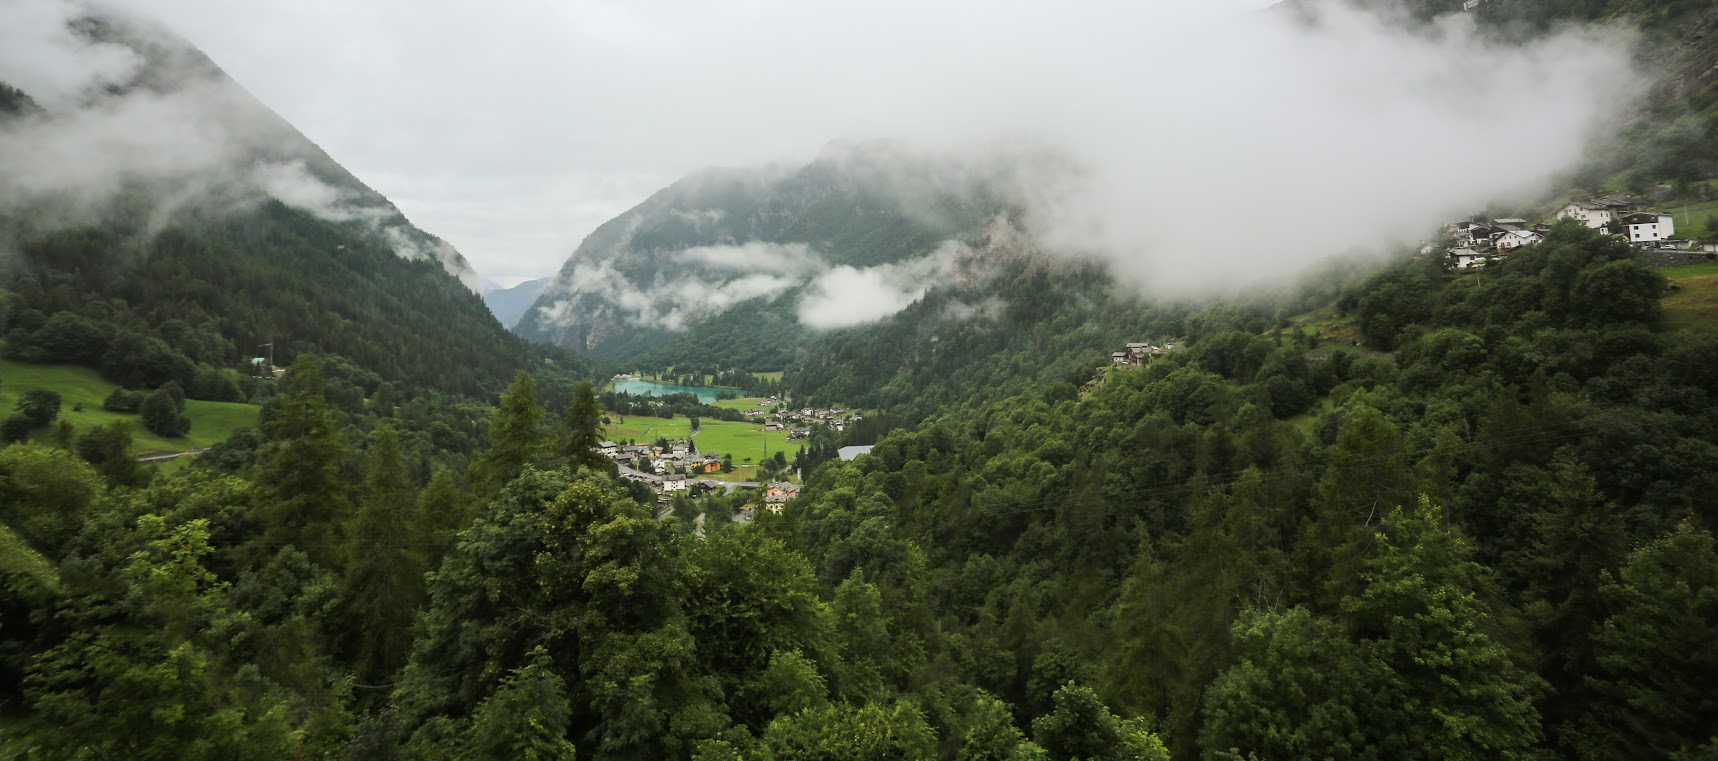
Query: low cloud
[[43, 56], [153, 113], [702, 281], [291, 183], [695, 283], [790, 259], [1288, 139], [845, 296]]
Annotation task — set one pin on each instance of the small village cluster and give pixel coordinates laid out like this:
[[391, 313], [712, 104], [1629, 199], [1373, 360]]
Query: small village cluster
[[1141, 354], [797, 423], [681, 455], [1476, 243]]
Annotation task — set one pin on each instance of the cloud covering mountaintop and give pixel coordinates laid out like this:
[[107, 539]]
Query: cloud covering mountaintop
[[127, 104]]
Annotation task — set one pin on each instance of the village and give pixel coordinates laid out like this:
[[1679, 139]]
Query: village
[[679, 467], [1476, 244], [1140, 354]]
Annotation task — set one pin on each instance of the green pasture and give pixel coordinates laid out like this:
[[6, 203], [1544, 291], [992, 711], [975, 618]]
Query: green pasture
[[211, 422]]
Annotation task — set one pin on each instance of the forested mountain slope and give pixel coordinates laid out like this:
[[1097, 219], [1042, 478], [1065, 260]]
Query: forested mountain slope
[[132, 244], [1494, 543], [1475, 528], [726, 249]]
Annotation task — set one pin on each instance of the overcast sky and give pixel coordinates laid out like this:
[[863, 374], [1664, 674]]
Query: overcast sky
[[514, 128]]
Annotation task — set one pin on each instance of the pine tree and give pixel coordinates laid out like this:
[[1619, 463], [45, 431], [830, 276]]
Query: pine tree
[[1656, 661], [582, 431], [384, 578], [515, 437], [300, 490]]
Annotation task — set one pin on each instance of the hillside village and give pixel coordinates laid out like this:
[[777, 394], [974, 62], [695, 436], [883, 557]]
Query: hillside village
[[1474, 244], [1141, 354]]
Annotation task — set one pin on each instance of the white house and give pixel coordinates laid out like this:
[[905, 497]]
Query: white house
[[1467, 258], [1515, 239], [1649, 227], [674, 482], [1590, 213]]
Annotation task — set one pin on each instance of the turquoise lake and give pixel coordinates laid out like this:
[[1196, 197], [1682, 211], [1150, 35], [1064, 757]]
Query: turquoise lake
[[706, 394]]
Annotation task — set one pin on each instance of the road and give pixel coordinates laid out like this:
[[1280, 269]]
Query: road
[[712, 482], [165, 456]]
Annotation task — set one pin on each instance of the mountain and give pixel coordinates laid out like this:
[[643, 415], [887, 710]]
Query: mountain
[[509, 304], [730, 251], [161, 207]]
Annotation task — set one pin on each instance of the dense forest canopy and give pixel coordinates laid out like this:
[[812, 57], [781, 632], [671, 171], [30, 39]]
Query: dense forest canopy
[[1478, 523]]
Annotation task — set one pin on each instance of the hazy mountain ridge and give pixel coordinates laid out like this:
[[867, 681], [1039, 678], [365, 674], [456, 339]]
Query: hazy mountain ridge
[[509, 304], [720, 239], [173, 122], [166, 202]]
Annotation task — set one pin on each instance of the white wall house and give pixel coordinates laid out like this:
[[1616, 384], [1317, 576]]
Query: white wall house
[[1467, 258], [1649, 227], [673, 482], [1589, 213], [1515, 239]]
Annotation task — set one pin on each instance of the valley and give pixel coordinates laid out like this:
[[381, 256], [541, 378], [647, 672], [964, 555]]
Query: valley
[[1047, 420]]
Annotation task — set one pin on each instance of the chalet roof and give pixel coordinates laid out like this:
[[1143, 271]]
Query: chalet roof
[[1589, 205], [1523, 234], [606, 444], [1510, 221]]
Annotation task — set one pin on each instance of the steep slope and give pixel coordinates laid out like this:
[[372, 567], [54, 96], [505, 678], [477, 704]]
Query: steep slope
[[509, 304], [748, 243], [160, 219]]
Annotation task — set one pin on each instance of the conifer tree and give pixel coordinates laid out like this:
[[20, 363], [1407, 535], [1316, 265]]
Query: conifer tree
[[515, 436], [582, 431], [384, 578], [300, 490], [1655, 655]]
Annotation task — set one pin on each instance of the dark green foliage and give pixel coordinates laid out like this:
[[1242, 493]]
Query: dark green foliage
[[595, 580], [298, 473], [190, 302], [40, 406], [526, 718], [162, 415], [581, 431], [384, 570], [1655, 657], [516, 437], [45, 494], [15, 428], [108, 448], [121, 400], [842, 732]]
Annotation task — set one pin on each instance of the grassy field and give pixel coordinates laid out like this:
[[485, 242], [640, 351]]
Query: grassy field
[[1694, 302], [775, 376], [1327, 325], [743, 403], [1691, 218], [211, 422], [739, 439]]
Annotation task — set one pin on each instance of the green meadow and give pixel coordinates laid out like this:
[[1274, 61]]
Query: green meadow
[[211, 422]]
